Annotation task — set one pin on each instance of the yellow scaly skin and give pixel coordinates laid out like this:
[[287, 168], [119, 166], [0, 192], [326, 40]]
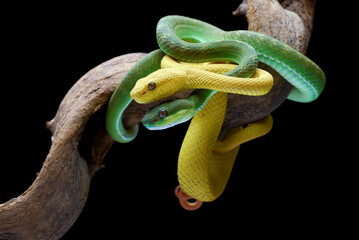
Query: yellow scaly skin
[[169, 81], [205, 164], [240, 135], [215, 67]]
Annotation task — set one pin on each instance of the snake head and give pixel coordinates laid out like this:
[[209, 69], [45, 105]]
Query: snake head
[[160, 84], [168, 114]]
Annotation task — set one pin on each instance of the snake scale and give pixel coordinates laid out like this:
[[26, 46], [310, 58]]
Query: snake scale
[[190, 40], [205, 164]]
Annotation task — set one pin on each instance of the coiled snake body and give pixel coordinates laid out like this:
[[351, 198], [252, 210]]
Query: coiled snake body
[[205, 164], [179, 36], [191, 40]]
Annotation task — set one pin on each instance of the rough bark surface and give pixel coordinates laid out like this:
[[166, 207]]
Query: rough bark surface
[[49, 207], [54, 201], [291, 27]]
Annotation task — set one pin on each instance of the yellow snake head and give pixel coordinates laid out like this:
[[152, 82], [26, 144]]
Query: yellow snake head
[[158, 85]]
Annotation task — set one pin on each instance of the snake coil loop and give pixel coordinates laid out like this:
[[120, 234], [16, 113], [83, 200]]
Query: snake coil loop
[[204, 164]]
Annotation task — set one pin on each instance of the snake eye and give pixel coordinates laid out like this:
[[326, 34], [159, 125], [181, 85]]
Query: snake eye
[[163, 113], [151, 86]]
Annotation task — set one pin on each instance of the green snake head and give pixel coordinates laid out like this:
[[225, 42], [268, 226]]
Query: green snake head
[[158, 85], [169, 114]]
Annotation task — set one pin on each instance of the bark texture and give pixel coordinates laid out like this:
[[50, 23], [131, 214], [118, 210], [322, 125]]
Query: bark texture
[[49, 207], [290, 22], [54, 201]]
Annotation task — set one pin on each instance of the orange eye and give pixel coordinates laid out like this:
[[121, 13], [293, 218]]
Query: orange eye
[[163, 113], [151, 86]]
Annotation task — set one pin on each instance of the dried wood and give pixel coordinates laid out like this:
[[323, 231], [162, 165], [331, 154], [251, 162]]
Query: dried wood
[[49, 207]]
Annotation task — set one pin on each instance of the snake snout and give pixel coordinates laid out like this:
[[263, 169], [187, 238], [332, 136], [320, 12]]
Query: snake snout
[[138, 91]]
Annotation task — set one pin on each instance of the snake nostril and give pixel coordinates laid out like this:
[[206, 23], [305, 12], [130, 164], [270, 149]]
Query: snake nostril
[[163, 113]]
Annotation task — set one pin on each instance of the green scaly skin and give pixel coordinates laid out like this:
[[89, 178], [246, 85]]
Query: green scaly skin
[[178, 111], [191, 40], [121, 98]]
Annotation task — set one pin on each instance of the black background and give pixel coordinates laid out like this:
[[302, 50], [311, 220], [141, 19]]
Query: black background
[[287, 179]]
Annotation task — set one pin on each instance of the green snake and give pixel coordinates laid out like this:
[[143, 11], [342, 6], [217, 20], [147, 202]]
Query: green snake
[[179, 36], [121, 98], [191, 40]]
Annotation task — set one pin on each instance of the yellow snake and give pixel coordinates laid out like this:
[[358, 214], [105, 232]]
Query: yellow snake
[[203, 175], [166, 82], [204, 163]]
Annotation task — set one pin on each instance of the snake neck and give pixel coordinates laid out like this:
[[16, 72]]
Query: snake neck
[[260, 83], [199, 79]]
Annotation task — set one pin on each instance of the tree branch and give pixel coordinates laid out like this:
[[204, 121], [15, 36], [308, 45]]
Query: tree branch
[[269, 17], [54, 201]]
